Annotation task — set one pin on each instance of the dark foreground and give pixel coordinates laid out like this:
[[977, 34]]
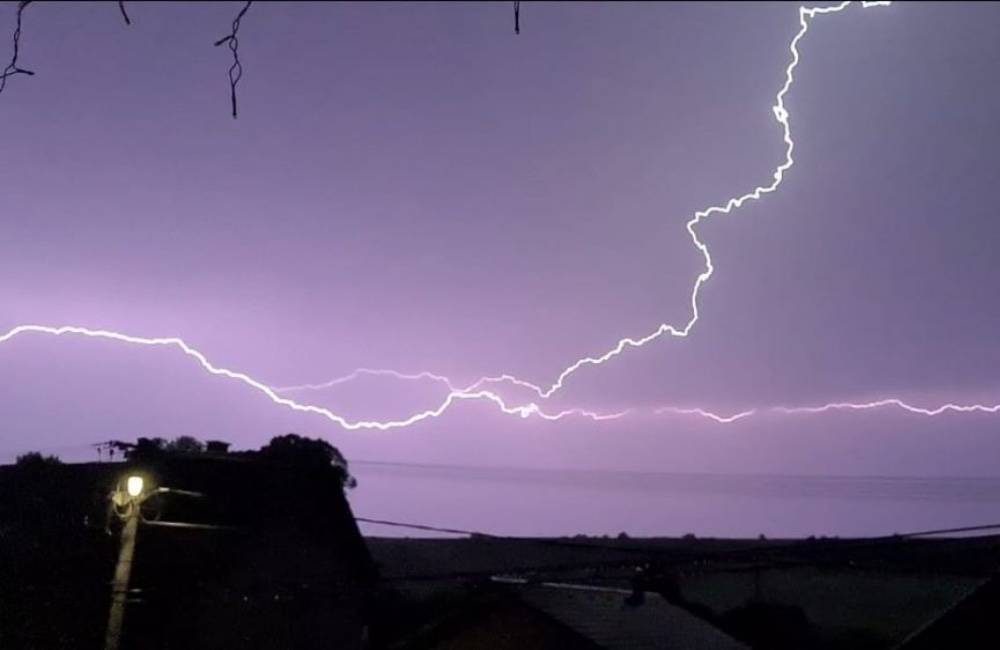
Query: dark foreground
[[818, 593], [287, 568]]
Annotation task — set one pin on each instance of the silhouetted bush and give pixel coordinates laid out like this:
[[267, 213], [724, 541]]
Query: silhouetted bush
[[185, 445], [34, 459], [153, 447]]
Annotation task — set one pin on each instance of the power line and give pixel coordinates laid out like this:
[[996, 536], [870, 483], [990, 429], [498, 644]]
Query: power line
[[662, 556], [892, 537], [658, 473], [434, 529], [940, 531], [542, 541]]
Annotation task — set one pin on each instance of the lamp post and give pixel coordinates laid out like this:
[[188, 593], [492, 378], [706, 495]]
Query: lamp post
[[131, 499], [127, 504]]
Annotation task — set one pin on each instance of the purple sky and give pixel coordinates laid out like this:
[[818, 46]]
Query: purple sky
[[412, 186]]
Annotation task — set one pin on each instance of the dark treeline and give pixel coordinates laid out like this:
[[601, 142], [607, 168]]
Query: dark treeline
[[287, 449]]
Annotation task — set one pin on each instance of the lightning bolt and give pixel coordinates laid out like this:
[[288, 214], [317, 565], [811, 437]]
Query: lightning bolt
[[721, 419], [890, 402], [453, 396], [782, 116], [476, 391], [370, 372]]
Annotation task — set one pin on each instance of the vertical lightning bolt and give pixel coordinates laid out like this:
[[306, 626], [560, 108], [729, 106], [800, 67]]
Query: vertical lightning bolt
[[781, 115], [780, 112]]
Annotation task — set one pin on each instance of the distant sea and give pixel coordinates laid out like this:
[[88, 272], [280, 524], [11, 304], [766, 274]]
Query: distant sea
[[539, 502]]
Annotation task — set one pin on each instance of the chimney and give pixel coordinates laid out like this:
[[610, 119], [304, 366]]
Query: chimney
[[638, 595]]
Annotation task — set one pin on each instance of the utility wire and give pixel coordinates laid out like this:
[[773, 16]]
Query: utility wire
[[435, 529], [12, 67], [544, 541], [660, 556], [236, 69]]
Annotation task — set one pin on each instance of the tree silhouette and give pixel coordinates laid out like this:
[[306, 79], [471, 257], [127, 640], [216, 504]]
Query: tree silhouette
[[292, 448], [185, 445]]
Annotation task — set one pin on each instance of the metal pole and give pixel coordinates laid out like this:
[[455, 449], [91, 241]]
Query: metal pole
[[119, 586]]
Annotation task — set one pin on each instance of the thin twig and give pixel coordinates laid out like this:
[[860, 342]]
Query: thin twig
[[236, 69], [12, 68], [121, 7], [517, 16]]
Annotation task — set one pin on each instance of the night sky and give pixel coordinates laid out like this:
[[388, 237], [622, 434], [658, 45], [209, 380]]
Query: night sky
[[415, 187]]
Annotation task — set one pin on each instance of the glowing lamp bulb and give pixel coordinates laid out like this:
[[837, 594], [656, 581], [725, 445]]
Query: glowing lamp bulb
[[134, 486]]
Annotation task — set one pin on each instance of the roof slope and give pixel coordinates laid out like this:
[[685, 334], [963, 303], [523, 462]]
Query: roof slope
[[603, 616], [969, 624]]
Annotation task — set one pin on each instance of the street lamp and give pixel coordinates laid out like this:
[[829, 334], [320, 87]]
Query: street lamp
[[131, 499], [134, 486], [128, 506]]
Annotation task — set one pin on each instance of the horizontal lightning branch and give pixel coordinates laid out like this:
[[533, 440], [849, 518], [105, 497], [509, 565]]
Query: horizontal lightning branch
[[453, 396], [891, 403], [456, 395], [721, 418]]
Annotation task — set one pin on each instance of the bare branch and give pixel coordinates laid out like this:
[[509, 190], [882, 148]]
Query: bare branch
[[517, 16], [236, 69], [12, 67], [121, 7]]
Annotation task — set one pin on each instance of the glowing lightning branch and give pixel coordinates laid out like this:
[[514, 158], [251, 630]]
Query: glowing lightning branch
[[453, 396], [892, 402], [721, 419], [395, 374], [372, 372], [835, 406]]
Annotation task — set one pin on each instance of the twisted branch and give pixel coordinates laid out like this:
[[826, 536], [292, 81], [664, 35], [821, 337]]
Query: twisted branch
[[236, 69], [12, 68]]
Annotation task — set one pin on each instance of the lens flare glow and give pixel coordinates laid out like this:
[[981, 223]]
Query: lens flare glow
[[134, 486]]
